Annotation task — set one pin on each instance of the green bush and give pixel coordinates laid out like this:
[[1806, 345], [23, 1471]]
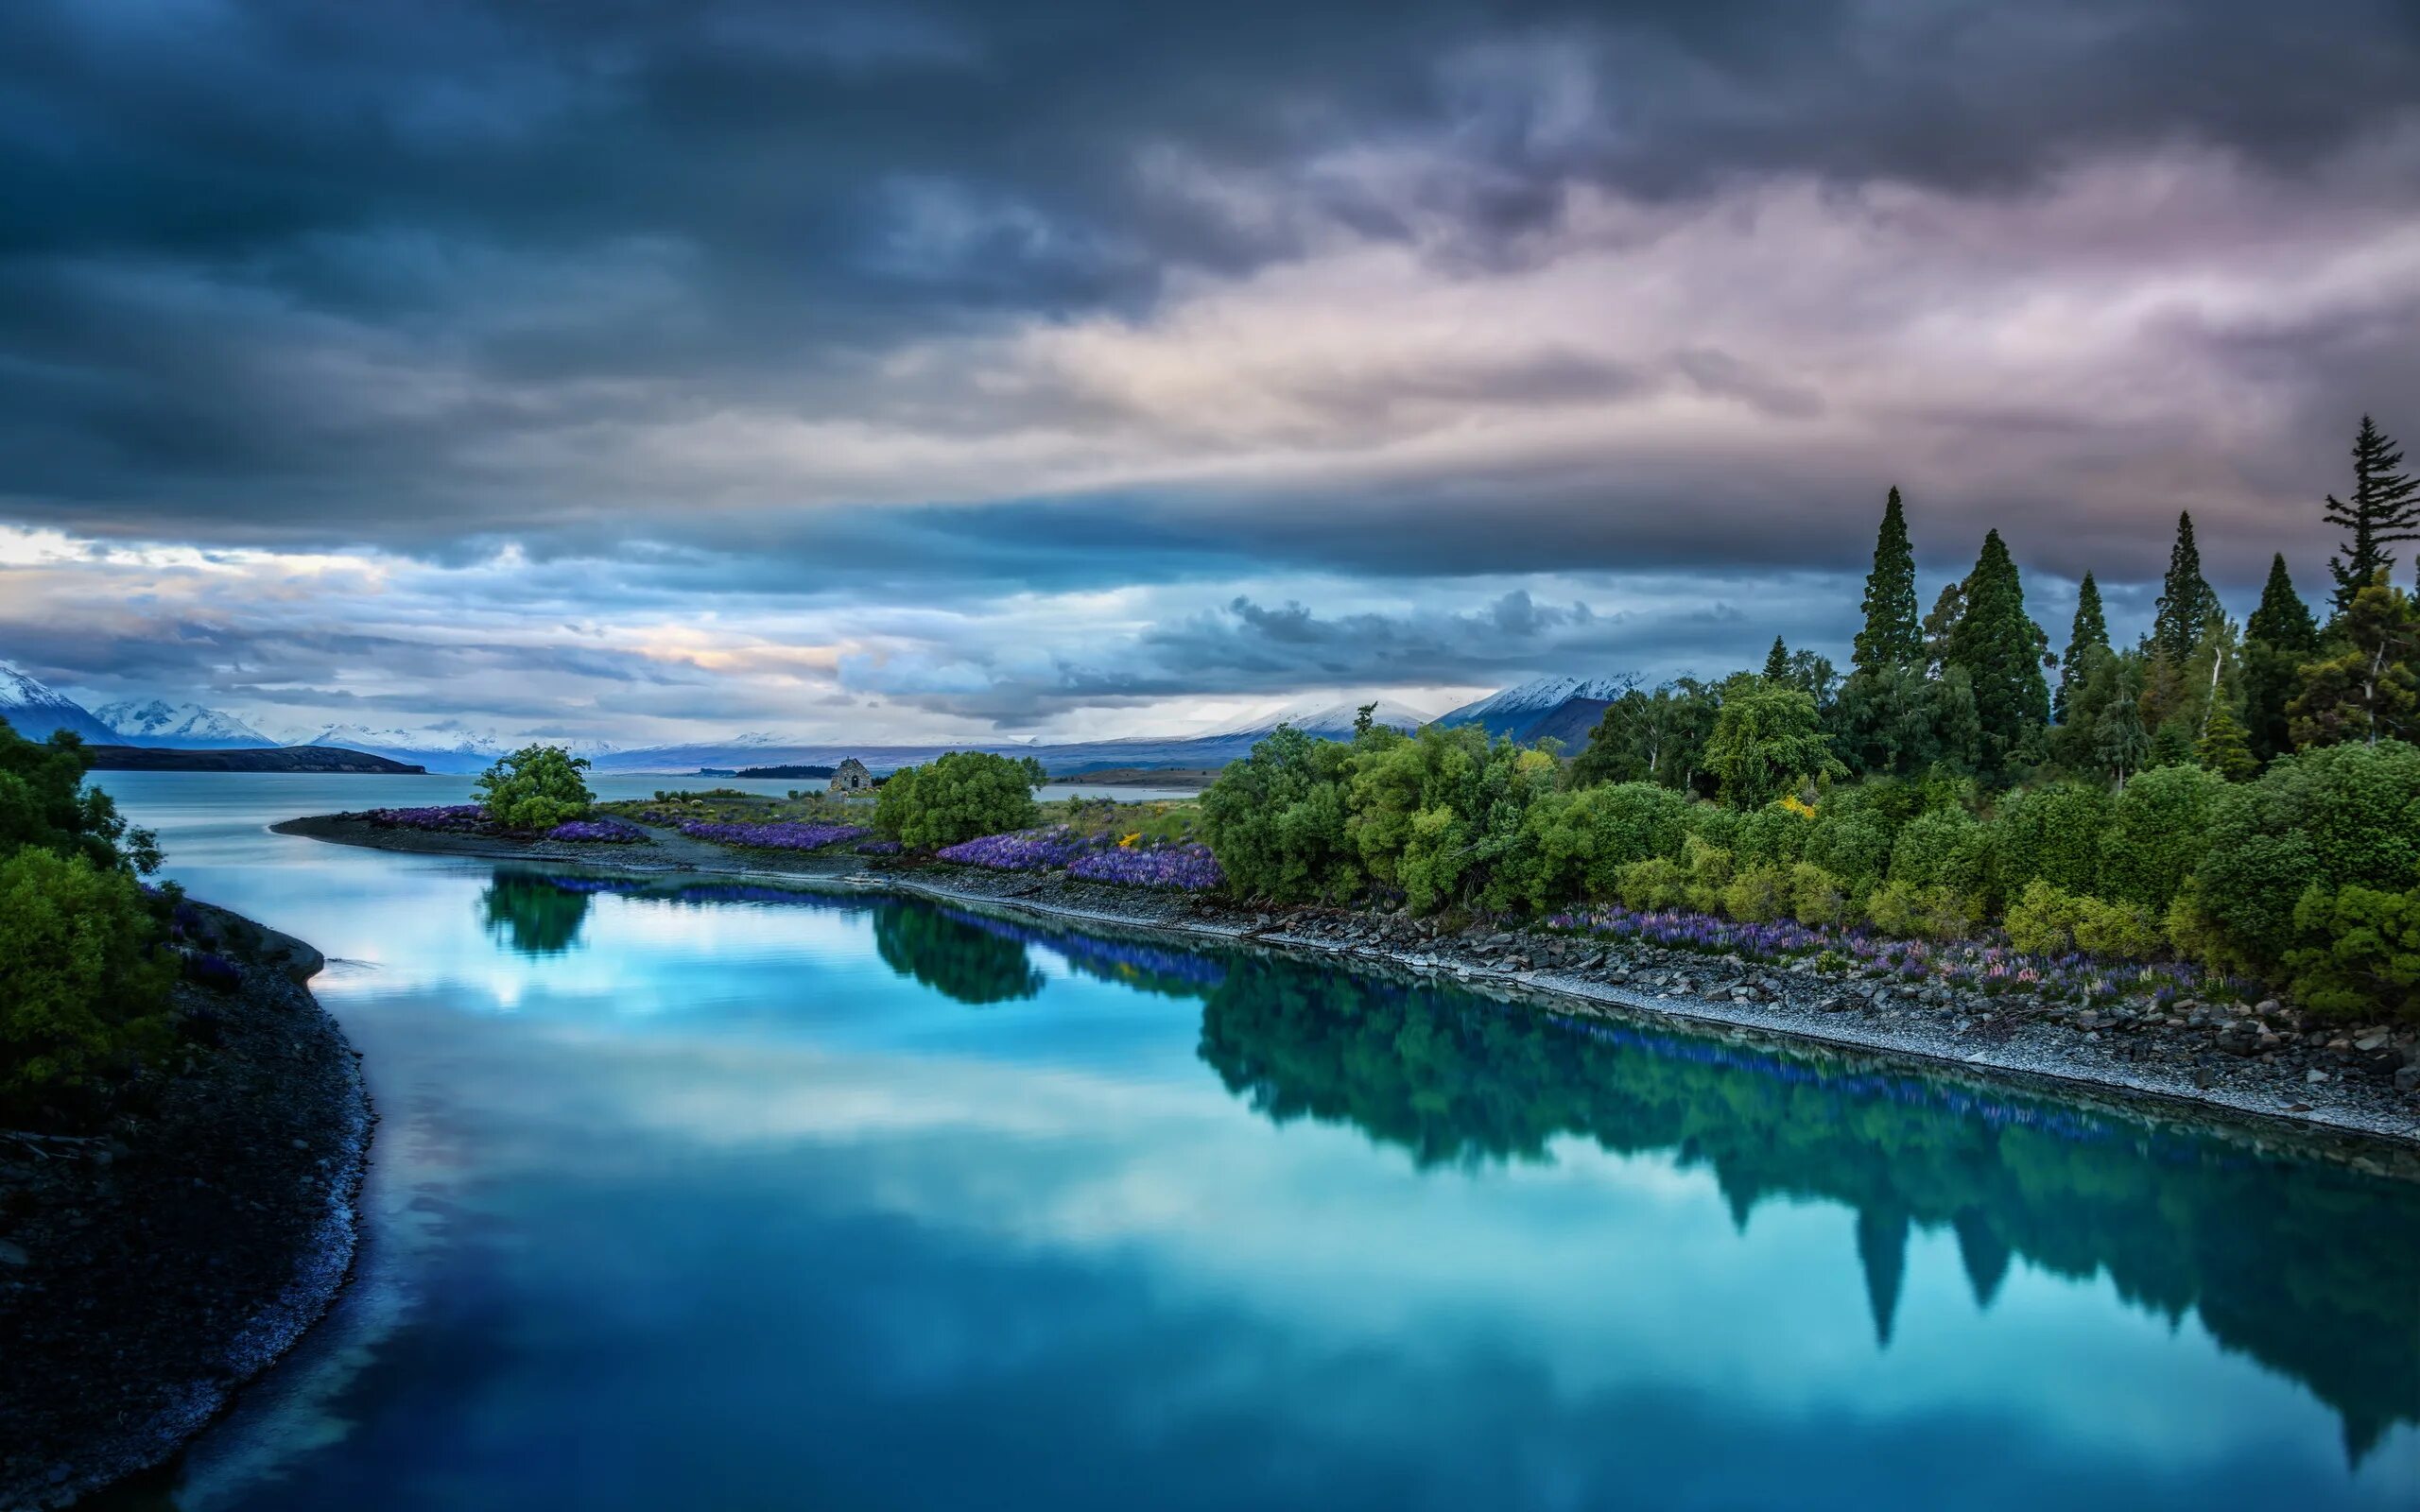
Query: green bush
[[2042, 921], [1946, 848], [2328, 819], [957, 797], [1709, 868], [1816, 897], [537, 787], [2159, 829], [2361, 955], [1658, 882], [1772, 834], [2121, 930], [1758, 894], [2050, 833], [83, 983], [1918, 913]]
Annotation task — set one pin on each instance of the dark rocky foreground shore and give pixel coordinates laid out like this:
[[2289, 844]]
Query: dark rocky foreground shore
[[2265, 1061], [151, 1267]]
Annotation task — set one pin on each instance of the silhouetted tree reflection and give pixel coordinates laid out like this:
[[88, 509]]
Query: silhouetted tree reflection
[[2307, 1267], [954, 956], [532, 914]]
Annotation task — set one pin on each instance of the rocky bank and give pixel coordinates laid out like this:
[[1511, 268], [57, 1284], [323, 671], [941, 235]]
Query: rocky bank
[[151, 1266]]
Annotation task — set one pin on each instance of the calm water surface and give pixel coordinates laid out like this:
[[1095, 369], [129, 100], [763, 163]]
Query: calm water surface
[[704, 1195]]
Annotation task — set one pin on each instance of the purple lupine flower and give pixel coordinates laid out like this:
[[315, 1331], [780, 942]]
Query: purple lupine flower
[[781, 835], [1189, 868], [455, 819], [596, 832], [1043, 850]]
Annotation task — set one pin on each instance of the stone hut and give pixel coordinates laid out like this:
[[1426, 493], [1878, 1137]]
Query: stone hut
[[852, 777]]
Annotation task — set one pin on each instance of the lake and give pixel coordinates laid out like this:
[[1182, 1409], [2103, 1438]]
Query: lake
[[701, 1195]]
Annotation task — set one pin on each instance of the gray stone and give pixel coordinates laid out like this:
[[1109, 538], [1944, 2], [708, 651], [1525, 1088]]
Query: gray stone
[[2314, 1076], [13, 1254]]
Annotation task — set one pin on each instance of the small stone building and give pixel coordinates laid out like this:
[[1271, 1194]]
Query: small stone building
[[852, 777]]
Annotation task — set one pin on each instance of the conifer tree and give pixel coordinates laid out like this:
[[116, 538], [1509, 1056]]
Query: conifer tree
[[2222, 749], [1999, 649], [1947, 610], [2091, 628], [1777, 662], [2277, 640], [1891, 637], [2186, 602], [2384, 511], [2283, 620]]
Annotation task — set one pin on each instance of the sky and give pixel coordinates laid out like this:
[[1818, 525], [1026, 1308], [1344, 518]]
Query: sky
[[648, 370]]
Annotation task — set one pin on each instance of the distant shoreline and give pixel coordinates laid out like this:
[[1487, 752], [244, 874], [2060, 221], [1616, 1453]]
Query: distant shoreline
[[313, 759], [1194, 777], [2143, 1063]]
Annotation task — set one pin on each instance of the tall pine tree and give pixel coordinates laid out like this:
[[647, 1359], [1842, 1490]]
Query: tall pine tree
[[2186, 602], [2385, 510], [2001, 650], [2283, 620], [1777, 662], [2091, 628], [2277, 640], [1891, 637]]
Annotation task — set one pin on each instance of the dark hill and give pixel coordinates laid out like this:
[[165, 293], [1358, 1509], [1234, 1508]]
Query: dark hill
[[275, 759]]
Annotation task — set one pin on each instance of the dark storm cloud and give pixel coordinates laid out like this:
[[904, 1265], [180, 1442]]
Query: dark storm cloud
[[279, 271]]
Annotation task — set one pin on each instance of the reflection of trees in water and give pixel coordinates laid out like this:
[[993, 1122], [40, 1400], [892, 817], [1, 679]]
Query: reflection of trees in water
[[533, 915], [1127, 961], [952, 957], [2306, 1266]]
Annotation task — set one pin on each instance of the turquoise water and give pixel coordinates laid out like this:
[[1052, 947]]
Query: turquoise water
[[717, 1197]]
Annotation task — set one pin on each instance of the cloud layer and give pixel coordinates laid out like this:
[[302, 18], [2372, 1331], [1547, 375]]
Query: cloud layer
[[718, 361]]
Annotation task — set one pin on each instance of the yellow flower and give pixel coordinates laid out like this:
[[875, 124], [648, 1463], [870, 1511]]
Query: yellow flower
[[1798, 806], [1128, 843]]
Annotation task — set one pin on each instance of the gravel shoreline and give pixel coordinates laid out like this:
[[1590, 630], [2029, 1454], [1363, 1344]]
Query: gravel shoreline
[[149, 1270], [2267, 1068]]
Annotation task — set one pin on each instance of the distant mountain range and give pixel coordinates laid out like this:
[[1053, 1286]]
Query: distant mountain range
[[1064, 759], [1564, 708]]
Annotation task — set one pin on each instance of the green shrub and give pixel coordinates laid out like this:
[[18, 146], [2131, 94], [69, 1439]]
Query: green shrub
[[2328, 819], [1917, 913], [2360, 956], [2119, 930], [1772, 834], [1946, 848], [2159, 829], [537, 787], [1852, 845], [1658, 882], [84, 984], [1816, 897], [2042, 921], [959, 795], [2050, 833], [1758, 894], [1710, 867]]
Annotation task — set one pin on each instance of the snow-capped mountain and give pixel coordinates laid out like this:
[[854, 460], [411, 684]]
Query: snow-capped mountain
[[1559, 707], [156, 722], [34, 709], [439, 750], [1330, 721]]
